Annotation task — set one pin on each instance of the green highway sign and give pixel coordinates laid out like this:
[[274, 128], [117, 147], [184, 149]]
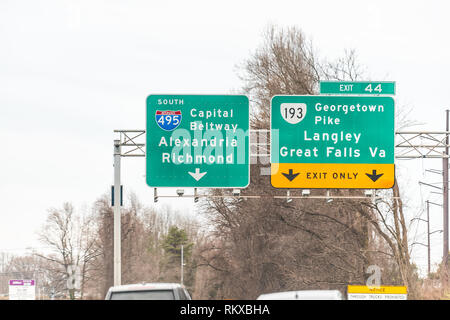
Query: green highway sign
[[197, 141], [332, 142], [357, 87]]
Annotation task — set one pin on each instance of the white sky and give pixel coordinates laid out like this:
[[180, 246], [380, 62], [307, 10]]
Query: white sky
[[73, 71]]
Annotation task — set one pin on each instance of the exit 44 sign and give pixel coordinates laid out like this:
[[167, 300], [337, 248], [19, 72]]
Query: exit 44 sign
[[358, 87], [198, 141], [332, 142]]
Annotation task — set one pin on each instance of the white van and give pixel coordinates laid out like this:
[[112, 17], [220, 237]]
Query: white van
[[148, 291], [303, 295]]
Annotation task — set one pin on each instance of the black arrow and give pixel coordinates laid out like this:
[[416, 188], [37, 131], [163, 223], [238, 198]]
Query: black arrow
[[374, 176], [290, 176]]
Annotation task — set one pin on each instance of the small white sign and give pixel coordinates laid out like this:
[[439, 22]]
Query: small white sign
[[369, 296], [22, 290]]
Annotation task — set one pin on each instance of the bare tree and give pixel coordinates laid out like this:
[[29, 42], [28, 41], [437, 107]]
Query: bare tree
[[72, 247], [31, 266], [284, 64], [268, 244], [287, 63], [387, 219], [143, 230]]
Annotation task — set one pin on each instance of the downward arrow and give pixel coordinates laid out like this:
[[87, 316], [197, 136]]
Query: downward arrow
[[374, 176], [197, 175], [290, 176]]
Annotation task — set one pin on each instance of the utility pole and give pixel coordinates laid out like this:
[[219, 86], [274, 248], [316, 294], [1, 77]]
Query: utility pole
[[428, 242], [428, 237], [445, 227], [117, 224], [182, 264], [428, 245]]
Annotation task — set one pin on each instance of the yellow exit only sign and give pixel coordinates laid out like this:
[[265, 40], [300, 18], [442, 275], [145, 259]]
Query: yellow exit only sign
[[335, 175]]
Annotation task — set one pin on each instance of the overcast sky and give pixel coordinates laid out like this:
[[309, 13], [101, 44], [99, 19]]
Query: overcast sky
[[73, 71]]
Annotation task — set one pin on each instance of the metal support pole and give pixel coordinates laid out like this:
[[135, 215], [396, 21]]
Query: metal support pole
[[182, 264], [117, 224], [445, 228], [428, 234]]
